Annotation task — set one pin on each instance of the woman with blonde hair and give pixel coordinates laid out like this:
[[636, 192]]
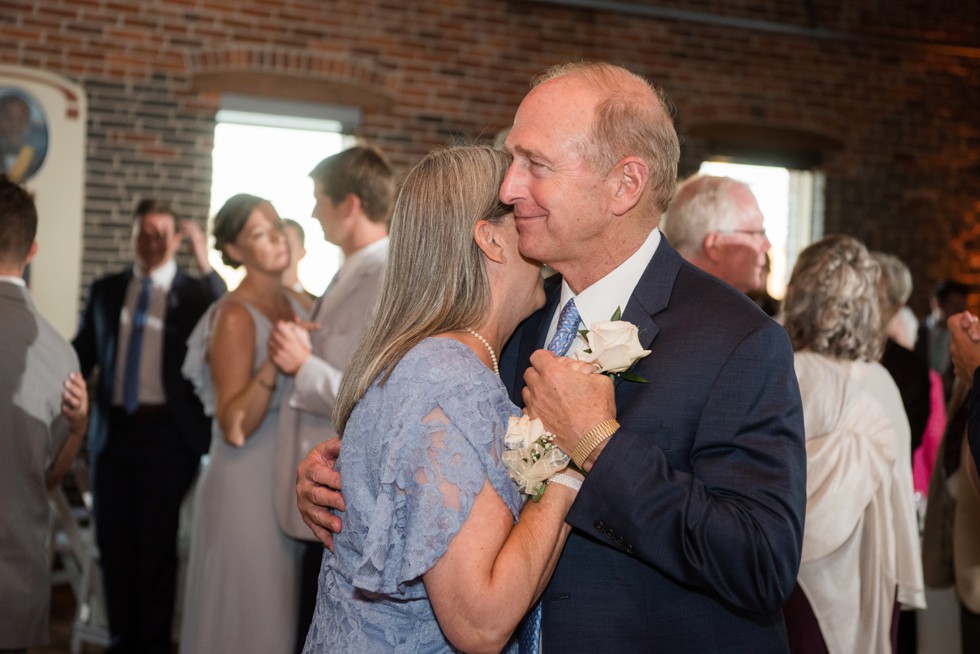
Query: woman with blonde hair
[[432, 557], [861, 559]]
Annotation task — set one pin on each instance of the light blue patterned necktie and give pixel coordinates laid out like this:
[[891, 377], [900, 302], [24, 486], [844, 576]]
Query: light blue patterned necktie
[[568, 321], [134, 351], [529, 631]]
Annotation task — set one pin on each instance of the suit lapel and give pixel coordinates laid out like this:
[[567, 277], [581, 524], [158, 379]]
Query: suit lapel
[[652, 295], [652, 292]]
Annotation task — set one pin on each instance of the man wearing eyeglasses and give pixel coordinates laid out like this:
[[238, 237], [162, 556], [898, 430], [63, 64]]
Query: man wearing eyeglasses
[[716, 224]]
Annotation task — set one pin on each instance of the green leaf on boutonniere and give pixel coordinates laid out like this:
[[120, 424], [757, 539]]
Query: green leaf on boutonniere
[[633, 377], [617, 314]]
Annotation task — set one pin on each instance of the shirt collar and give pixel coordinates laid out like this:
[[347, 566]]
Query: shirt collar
[[356, 259], [16, 281], [162, 277], [601, 300]]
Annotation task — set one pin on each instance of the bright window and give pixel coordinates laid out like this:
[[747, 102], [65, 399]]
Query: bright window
[[272, 156]]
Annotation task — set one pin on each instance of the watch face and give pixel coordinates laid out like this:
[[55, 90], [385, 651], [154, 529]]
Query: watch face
[[23, 134]]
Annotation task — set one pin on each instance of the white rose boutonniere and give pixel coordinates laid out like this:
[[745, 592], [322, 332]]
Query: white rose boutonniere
[[530, 455], [613, 346]]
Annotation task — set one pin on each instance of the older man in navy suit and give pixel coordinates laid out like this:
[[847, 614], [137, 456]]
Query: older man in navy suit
[[687, 531], [148, 428], [688, 527]]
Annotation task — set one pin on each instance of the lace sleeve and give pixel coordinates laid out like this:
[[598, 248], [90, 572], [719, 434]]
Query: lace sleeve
[[431, 471]]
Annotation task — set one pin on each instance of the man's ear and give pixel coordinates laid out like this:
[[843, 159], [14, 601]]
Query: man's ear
[[629, 179], [711, 247], [350, 205], [487, 240], [30, 253]]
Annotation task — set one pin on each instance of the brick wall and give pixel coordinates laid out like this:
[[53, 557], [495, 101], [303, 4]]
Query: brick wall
[[883, 95]]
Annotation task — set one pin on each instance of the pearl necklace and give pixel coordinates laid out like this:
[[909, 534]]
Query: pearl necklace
[[493, 355]]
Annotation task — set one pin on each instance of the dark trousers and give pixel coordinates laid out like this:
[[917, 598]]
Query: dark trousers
[[309, 581], [139, 480]]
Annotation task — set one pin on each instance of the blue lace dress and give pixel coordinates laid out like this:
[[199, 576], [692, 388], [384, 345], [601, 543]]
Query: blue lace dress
[[416, 453]]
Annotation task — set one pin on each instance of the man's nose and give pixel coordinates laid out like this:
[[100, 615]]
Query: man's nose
[[511, 186]]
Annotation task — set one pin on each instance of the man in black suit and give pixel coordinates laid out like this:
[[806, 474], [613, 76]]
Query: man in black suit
[[148, 428], [688, 529]]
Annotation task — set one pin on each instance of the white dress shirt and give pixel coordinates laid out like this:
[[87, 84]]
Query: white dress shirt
[[600, 301], [151, 361]]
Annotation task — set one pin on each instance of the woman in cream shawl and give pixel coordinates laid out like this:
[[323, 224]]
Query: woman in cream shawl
[[860, 544]]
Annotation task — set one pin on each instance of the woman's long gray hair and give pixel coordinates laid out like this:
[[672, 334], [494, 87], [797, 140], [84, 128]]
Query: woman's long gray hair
[[436, 280]]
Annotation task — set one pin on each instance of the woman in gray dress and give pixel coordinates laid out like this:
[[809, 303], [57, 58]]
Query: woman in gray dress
[[242, 581]]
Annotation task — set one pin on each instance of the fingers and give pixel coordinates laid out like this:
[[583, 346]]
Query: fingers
[[330, 450], [74, 397], [307, 325], [318, 524]]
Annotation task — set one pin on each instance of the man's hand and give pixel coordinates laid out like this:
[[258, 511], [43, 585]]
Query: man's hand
[[318, 489], [567, 397], [964, 344], [290, 345], [191, 231], [74, 404]]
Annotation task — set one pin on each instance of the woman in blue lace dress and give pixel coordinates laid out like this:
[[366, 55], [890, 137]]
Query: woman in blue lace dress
[[432, 557]]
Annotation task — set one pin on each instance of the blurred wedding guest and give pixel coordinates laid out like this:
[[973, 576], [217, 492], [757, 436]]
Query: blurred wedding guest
[[861, 560], [430, 558], [296, 237], [23, 140], [43, 417], [922, 397], [148, 429], [932, 344], [965, 355], [716, 224], [951, 537], [242, 581], [910, 373], [354, 190]]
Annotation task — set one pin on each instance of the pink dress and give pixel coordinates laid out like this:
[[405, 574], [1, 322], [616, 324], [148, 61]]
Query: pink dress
[[924, 456]]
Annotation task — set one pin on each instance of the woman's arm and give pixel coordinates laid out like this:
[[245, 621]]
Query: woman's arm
[[242, 397], [494, 569]]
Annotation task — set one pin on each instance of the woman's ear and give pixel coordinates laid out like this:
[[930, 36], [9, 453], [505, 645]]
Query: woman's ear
[[488, 240], [233, 252]]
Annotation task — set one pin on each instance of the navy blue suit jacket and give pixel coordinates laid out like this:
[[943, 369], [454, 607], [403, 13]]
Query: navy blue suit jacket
[[97, 343], [688, 529]]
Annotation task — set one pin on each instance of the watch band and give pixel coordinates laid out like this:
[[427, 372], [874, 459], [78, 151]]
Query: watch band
[[591, 440]]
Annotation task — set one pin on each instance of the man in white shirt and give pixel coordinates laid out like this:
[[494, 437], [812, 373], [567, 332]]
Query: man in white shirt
[[148, 427], [354, 190]]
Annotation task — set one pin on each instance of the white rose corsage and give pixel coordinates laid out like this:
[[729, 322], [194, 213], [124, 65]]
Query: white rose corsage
[[613, 346], [530, 455]]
